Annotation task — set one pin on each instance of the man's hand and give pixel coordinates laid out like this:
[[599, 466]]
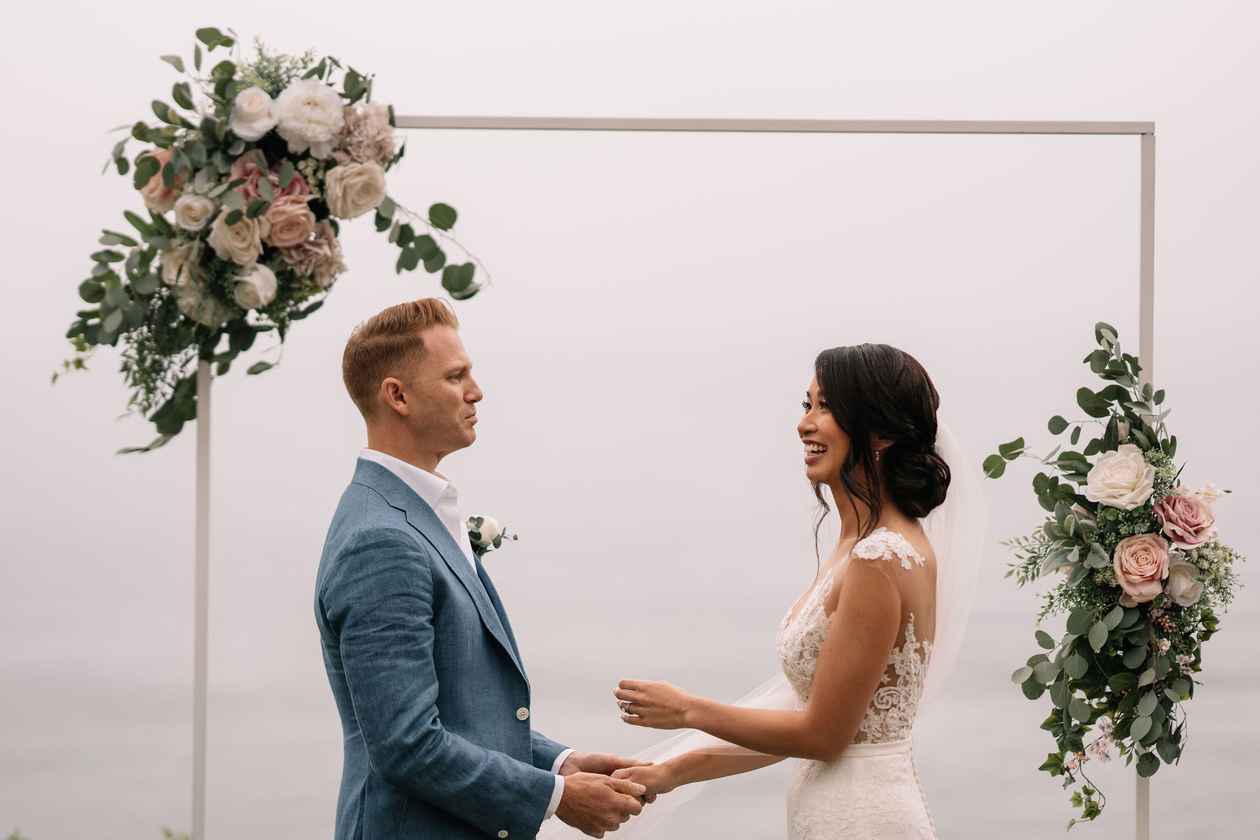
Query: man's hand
[[603, 763], [595, 804]]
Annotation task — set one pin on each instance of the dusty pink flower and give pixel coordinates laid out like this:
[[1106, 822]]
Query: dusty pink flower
[[1141, 564], [1188, 520], [318, 258], [157, 196], [367, 136], [252, 167], [292, 222]]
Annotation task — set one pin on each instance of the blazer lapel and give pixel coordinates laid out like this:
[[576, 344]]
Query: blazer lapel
[[422, 518]]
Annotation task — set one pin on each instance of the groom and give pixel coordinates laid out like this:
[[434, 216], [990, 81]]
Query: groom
[[434, 701]]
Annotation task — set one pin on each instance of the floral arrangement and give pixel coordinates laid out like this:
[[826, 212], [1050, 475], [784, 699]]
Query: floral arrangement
[[1143, 580], [486, 534], [246, 181]]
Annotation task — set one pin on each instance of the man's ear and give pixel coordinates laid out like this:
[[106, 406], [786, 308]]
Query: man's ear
[[394, 396]]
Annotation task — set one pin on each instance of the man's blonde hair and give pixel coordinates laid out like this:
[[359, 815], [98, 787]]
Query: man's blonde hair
[[387, 344]]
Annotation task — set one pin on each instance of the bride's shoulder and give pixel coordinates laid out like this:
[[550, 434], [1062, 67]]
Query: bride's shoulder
[[886, 544]]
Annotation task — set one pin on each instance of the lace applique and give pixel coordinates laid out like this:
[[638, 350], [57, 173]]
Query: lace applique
[[891, 714], [890, 717], [885, 543]]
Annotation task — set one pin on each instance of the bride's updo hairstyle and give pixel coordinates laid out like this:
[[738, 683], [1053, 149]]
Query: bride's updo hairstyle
[[877, 391]]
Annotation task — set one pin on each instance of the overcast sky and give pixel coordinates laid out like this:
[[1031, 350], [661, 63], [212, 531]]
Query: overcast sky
[[657, 305]]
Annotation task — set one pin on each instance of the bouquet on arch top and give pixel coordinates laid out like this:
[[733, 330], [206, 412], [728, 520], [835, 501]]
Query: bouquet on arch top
[[1142, 577], [246, 177]]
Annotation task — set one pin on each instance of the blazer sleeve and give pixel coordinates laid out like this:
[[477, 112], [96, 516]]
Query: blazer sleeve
[[380, 605], [545, 751]]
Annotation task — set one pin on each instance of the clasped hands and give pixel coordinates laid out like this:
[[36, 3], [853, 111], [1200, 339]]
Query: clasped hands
[[596, 799]]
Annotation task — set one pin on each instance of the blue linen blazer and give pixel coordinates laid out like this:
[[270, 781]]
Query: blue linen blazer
[[428, 679]]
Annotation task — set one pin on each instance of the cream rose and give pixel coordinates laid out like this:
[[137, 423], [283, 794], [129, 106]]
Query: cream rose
[[193, 212], [1141, 565], [1184, 586], [353, 189], [1121, 479], [156, 195], [179, 263], [1187, 519], [309, 116], [256, 288], [252, 114], [290, 220], [240, 243]]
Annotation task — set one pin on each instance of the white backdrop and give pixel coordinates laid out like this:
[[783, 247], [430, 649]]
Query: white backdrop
[[657, 306]]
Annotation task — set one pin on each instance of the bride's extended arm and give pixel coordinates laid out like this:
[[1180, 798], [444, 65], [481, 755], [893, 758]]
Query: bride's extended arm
[[864, 629], [695, 766]]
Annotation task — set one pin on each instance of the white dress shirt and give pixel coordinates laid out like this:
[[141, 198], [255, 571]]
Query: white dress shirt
[[441, 495]]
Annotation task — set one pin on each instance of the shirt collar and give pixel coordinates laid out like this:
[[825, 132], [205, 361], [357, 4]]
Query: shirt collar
[[431, 487]]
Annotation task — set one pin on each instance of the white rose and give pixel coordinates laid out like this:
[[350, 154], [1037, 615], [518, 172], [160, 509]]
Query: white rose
[[1183, 584], [179, 263], [193, 212], [240, 243], [309, 116], [255, 289], [353, 189], [196, 301], [253, 114], [1121, 479], [485, 531]]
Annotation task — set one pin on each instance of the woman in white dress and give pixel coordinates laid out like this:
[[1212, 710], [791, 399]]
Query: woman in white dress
[[855, 648]]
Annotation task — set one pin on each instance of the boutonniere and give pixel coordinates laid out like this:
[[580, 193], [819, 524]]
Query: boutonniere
[[486, 534]]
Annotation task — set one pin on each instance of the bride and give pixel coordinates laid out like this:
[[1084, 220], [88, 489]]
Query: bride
[[856, 647]]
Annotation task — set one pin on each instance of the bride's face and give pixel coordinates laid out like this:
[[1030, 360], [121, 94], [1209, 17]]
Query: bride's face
[[826, 444]]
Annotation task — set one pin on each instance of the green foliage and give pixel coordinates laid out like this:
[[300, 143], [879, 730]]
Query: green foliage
[[163, 320], [1118, 675]]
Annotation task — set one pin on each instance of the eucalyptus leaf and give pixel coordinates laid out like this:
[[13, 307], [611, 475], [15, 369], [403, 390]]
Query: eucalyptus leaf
[[1046, 673], [1076, 666], [1057, 425], [1079, 622], [1140, 728], [1045, 640], [1148, 765], [1080, 710], [1098, 636], [1147, 704], [1022, 675]]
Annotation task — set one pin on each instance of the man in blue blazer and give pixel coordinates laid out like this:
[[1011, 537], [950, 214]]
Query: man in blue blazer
[[433, 696]]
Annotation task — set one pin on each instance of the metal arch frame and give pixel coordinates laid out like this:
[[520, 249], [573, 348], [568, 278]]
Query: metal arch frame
[[1145, 131]]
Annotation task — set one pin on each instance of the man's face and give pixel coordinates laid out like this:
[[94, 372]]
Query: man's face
[[444, 415]]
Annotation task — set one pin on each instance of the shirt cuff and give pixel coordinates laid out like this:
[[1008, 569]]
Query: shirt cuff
[[559, 762], [558, 792]]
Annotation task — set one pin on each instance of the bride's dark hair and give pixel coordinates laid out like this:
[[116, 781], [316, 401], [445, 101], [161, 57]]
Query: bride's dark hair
[[878, 391]]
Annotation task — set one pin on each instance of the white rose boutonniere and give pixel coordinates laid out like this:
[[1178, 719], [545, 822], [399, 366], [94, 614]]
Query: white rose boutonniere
[[486, 534]]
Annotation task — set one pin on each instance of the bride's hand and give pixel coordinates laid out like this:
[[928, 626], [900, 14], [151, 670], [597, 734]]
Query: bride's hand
[[656, 778], [658, 705]]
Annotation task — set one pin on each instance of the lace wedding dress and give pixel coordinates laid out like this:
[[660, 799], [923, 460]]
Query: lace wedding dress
[[872, 791]]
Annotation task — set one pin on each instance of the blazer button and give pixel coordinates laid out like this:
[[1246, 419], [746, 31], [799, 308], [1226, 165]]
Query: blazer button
[[522, 713], [503, 834]]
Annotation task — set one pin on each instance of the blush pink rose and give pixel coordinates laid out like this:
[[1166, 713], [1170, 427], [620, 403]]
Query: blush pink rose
[[157, 196], [1188, 519], [1141, 564], [252, 168], [291, 220]]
